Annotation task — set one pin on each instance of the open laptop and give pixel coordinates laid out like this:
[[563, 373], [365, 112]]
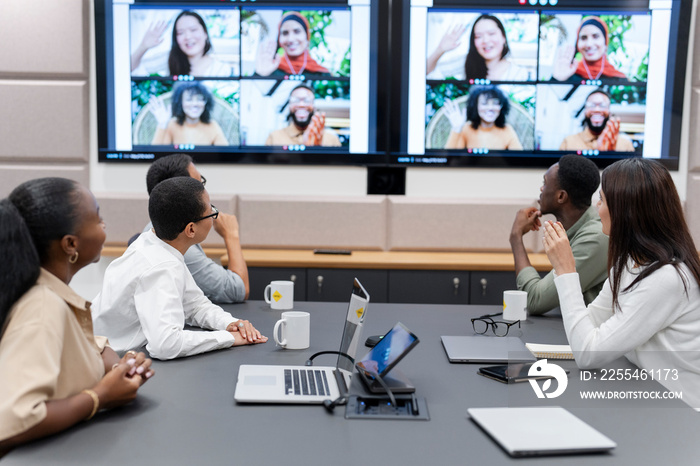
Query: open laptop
[[541, 430], [307, 384], [485, 349]]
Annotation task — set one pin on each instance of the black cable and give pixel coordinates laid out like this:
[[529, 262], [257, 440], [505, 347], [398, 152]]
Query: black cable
[[309, 362], [381, 382]]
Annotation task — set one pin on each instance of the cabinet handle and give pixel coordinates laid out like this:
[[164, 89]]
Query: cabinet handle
[[455, 281], [293, 278], [484, 283], [319, 282]]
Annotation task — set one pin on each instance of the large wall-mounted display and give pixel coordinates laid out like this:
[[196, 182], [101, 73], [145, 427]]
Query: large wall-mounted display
[[521, 82], [238, 81]]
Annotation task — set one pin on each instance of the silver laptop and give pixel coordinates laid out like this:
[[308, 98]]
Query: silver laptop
[[307, 384], [485, 349], [537, 431]]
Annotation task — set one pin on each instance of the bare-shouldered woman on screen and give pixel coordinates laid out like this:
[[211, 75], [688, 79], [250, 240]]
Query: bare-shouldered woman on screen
[[649, 307], [54, 371], [189, 120], [488, 51], [190, 50], [482, 124]]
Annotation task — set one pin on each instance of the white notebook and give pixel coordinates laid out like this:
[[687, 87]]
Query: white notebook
[[542, 351]]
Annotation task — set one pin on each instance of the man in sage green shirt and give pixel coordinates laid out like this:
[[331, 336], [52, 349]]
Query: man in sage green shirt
[[565, 193]]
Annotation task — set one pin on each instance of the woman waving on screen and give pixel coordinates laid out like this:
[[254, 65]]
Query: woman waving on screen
[[293, 37], [189, 119], [482, 125], [488, 56], [190, 52], [592, 44], [649, 307]]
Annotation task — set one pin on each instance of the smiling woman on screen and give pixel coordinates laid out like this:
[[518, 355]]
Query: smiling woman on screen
[[190, 49], [482, 124], [592, 43], [488, 56], [294, 35], [191, 121]]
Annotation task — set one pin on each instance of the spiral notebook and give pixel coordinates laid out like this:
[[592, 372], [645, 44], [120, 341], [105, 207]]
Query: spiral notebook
[[542, 351]]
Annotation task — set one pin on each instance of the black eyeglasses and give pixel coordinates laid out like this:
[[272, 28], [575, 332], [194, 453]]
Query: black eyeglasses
[[498, 327], [213, 215], [204, 180]]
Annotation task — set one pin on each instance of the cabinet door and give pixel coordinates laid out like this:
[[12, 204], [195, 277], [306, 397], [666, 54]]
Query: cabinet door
[[428, 287], [260, 277], [336, 284], [488, 287]]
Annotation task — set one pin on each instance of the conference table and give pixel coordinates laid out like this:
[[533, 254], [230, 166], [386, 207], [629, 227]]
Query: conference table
[[186, 414]]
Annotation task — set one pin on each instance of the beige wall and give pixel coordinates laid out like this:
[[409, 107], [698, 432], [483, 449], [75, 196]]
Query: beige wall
[[45, 95], [44, 90]]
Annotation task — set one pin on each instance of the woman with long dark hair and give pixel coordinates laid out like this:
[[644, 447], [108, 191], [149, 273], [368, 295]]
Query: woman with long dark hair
[[488, 51], [189, 52], [54, 371], [649, 308]]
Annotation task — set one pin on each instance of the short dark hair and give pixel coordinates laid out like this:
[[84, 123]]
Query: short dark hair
[[35, 214], [196, 88], [173, 204], [579, 177], [492, 92], [166, 167]]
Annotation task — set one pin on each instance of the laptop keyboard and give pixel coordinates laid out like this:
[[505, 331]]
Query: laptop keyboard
[[305, 382]]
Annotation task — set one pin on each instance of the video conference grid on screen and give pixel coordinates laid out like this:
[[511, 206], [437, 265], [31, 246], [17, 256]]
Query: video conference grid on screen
[[204, 76], [537, 80]]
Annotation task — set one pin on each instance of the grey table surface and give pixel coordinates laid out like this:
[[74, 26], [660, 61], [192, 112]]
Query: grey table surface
[[186, 414]]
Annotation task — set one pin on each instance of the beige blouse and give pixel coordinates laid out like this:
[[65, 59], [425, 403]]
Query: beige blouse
[[47, 352], [484, 138]]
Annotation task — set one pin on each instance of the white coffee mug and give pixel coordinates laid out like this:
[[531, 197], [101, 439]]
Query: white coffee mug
[[294, 327], [279, 294], [514, 305]]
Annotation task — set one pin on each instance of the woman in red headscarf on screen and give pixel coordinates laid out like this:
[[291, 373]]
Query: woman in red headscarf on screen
[[592, 44], [293, 37]]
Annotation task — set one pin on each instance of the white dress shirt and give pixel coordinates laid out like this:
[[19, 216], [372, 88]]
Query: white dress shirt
[[218, 284], [656, 327], [147, 297]]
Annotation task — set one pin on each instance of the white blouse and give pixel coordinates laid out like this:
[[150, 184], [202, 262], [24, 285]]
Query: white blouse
[[656, 327]]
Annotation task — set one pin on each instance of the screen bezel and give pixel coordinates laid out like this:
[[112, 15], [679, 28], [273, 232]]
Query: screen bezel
[[678, 45], [253, 154]]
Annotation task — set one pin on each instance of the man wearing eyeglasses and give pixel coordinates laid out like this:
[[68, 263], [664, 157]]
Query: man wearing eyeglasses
[[306, 125], [218, 284], [148, 294], [600, 130]]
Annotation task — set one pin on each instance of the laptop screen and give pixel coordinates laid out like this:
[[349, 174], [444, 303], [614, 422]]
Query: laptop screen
[[359, 299]]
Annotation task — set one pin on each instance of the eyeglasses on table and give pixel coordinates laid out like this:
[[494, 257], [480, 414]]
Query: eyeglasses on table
[[498, 327]]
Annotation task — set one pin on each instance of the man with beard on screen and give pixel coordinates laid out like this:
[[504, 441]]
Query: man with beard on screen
[[600, 131], [306, 126]]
